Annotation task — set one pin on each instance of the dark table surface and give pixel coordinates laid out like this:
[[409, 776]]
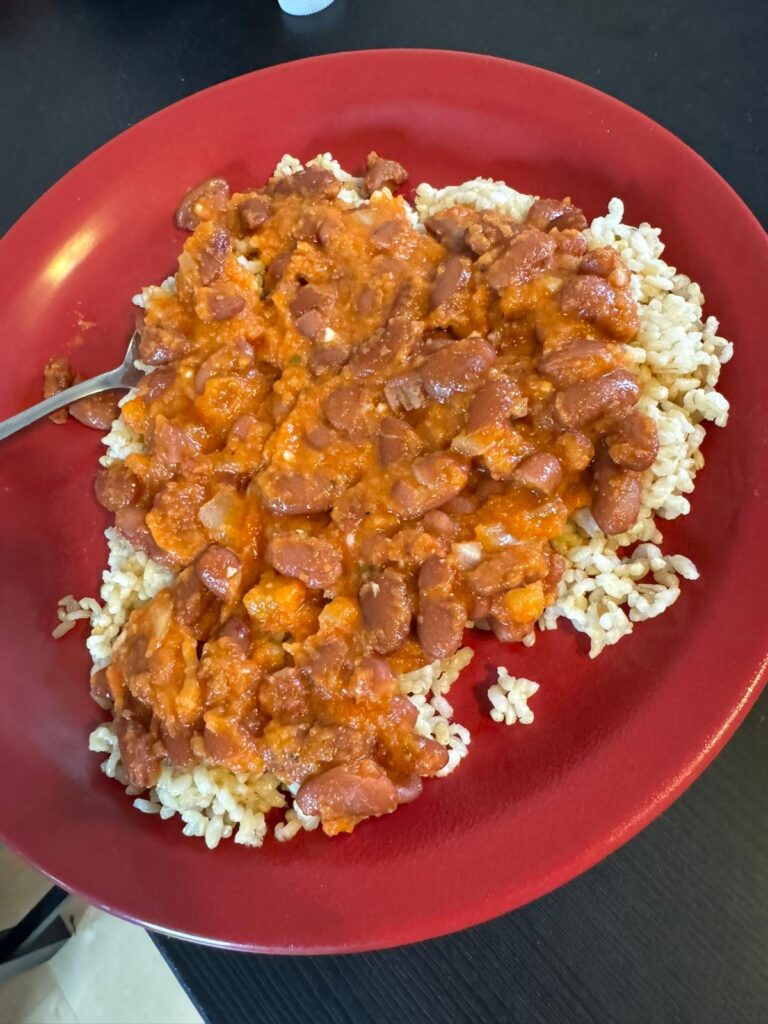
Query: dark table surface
[[673, 927]]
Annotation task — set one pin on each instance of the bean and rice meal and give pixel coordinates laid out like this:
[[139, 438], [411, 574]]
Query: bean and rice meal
[[364, 426]]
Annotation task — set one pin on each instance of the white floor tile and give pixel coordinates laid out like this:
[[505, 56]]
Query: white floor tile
[[21, 886], [34, 998], [109, 972]]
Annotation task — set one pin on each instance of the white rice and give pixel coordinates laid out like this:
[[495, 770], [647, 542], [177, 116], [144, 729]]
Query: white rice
[[509, 698], [605, 588]]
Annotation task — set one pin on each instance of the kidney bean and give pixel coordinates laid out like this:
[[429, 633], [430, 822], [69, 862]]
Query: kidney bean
[[528, 254], [315, 182], [385, 349], [588, 400], [606, 262], [210, 259], [449, 228], [209, 197], [159, 345], [616, 496], [396, 441], [222, 305], [255, 211], [284, 696], [541, 472], [381, 173], [362, 790], [386, 609], [555, 213], [452, 277], [494, 404], [457, 368], [633, 441], [313, 560], [347, 409], [116, 487], [295, 494], [441, 617], [577, 360], [220, 571], [58, 375], [595, 300], [437, 478], [96, 411]]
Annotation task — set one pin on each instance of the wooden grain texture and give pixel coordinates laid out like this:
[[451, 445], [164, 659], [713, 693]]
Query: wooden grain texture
[[674, 926], [671, 928]]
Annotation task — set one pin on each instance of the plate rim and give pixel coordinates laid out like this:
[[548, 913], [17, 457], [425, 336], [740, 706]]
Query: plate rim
[[609, 839]]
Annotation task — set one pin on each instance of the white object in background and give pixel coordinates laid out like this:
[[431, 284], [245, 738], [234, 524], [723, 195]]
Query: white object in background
[[304, 6]]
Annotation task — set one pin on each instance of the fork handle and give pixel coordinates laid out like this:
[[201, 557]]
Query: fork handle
[[104, 382]]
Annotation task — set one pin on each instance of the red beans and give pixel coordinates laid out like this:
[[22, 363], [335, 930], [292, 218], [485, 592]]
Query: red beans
[[347, 409], [210, 259], [310, 297], [99, 687], [254, 212], [202, 202], [320, 437], [384, 350], [157, 382], [311, 324], [116, 487], [58, 375], [172, 443], [574, 450], [313, 182], [441, 618], [606, 262], [237, 630], [594, 299], [541, 472], [588, 400], [405, 391], [381, 173], [526, 255], [386, 610], [554, 213], [507, 569], [222, 305], [313, 560], [137, 750], [96, 411], [452, 277], [449, 227], [284, 696], [437, 478], [220, 571], [396, 441], [159, 345], [294, 494], [408, 788], [494, 404], [633, 441], [616, 495], [362, 790], [577, 360], [457, 368], [130, 521], [387, 235], [489, 230]]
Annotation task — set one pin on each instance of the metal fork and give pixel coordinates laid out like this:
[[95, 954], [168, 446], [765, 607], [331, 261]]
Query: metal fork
[[125, 376]]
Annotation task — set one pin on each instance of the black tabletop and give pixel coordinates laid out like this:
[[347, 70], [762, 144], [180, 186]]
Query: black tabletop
[[674, 926]]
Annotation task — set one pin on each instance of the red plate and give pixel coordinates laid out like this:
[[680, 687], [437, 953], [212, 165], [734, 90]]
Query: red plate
[[614, 742]]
